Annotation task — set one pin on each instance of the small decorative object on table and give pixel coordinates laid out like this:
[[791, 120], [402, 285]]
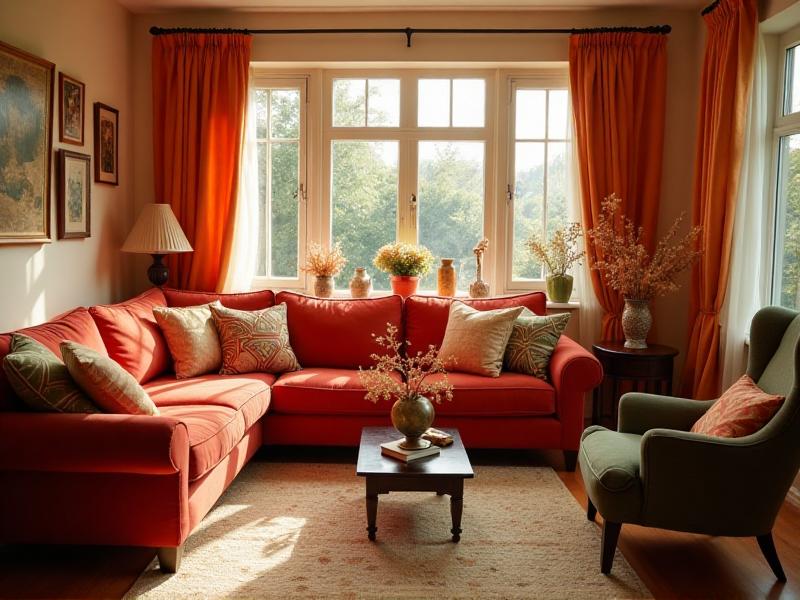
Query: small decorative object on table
[[406, 263], [324, 264], [438, 437], [446, 279], [630, 270], [558, 255], [479, 288], [360, 284], [412, 411]]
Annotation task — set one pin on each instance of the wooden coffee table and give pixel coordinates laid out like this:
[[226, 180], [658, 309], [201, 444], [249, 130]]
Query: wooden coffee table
[[443, 474]]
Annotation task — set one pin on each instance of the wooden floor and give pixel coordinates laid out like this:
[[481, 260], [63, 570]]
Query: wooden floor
[[672, 565]]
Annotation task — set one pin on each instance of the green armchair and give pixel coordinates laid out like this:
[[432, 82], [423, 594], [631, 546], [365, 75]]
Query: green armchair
[[654, 472]]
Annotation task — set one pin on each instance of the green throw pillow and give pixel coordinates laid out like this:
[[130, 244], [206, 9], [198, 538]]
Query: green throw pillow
[[42, 381], [533, 339]]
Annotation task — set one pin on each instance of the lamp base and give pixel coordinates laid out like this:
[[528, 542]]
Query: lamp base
[[158, 273]]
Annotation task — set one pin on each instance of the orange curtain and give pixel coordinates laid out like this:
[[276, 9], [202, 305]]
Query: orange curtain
[[724, 92], [618, 82], [199, 104]]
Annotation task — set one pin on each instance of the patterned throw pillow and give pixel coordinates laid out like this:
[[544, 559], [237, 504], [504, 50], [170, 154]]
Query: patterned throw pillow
[[475, 340], [110, 386], [254, 341], [192, 339], [42, 381], [743, 408], [533, 339]]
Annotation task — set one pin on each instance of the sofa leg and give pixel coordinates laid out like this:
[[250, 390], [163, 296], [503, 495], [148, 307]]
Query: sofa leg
[[591, 510], [610, 537], [767, 545], [570, 459], [169, 559]]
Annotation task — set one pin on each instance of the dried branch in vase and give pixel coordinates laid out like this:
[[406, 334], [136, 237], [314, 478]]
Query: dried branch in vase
[[323, 262], [561, 252]]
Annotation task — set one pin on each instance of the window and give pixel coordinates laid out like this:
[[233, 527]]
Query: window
[[538, 166], [451, 102], [280, 133], [366, 102]]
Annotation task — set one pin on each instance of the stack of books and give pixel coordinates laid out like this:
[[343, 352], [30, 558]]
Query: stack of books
[[437, 438]]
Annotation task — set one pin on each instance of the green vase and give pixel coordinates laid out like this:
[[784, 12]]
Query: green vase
[[412, 417], [559, 288]]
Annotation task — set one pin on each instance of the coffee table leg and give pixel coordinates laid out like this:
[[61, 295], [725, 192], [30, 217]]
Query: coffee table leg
[[372, 510], [456, 508]]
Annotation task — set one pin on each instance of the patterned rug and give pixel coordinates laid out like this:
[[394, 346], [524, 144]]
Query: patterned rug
[[299, 530]]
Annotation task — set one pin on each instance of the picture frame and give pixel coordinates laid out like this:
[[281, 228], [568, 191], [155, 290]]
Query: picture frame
[[72, 101], [26, 95], [106, 144], [74, 195]]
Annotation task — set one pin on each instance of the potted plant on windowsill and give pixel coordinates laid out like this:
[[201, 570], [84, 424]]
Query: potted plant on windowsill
[[406, 263], [324, 264], [558, 255]]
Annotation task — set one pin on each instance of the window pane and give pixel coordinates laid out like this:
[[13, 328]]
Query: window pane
[[384, 103], [433, 103], [791, 103], [285, 114], [285, 208], [788, 253], [529, 174], [349, 102], [469, 102], [557, 209], [262, 112], [451, 199], [557, 115], [531, 114], [263, 200], [364, 196]]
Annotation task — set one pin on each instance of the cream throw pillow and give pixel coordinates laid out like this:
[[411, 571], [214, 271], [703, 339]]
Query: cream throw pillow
[[475, 340], [192, 338]]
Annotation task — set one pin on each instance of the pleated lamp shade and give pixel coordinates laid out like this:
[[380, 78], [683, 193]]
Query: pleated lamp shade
[[157, 231]]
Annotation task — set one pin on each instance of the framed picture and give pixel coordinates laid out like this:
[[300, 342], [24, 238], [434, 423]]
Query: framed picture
[[26, 144], [71, 96], [74, 195], [106, 144]]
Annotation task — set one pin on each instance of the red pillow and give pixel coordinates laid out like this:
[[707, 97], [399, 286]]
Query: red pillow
[[132, 336], [743, 409], [244, 301]]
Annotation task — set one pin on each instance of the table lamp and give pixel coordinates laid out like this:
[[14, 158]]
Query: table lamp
[[157, 233]]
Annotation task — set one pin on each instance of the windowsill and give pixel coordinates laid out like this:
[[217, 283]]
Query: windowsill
[[571, 305]]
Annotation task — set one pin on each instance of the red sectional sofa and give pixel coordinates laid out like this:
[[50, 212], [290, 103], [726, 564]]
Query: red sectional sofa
[[148, 481]]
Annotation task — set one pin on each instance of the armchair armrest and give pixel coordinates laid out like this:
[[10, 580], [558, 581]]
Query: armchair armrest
[[573, 372], [638, 413], [93, 443]]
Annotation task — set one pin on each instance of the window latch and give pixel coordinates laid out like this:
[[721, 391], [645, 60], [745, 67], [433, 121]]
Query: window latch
[[301, 193], [413, 201], [509, 194]]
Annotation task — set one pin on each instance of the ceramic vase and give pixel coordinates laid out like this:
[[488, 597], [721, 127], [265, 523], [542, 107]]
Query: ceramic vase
[[404, 285], [636, 323], [559, 288], [412, 417], [478, 288], [446, 278], [360, 284], [323, 286]]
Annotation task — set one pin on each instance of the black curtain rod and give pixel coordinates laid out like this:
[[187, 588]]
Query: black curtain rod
[[709, 8], [409, 31]]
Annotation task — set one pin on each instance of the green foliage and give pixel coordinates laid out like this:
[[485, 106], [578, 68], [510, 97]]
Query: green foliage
[[790, 252]]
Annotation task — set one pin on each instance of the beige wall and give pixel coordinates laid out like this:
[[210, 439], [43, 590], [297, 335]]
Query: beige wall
[[91, 41]]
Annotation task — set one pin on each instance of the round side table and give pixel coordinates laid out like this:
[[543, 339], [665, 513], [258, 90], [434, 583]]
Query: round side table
[[627, 370]]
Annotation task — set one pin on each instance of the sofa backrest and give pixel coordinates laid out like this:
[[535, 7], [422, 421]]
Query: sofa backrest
[[425, 317], [243, 301], [76, 325], [338, 333]]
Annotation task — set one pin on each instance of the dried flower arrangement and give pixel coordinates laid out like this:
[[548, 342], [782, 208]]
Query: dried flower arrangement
[[324, 262], [561, 252], [408, 260], [413, 369], [625, 262]]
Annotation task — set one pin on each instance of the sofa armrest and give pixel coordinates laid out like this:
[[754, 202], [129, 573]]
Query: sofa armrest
[[638, 413], [93, 443], [573, 372]]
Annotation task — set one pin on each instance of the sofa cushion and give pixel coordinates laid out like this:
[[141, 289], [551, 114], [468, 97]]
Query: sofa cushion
[[510, 395], [425, 317], [233, 391], [132, 336], [321, 391], [244, 301], [338, 333], [532, 342], [76, 325], [192, 339]]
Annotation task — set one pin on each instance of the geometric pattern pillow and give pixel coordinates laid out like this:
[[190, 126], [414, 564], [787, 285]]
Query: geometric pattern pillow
[[191, 337], [743, 408], [109, 386], [533, 339], [42, 381], [254, 341]]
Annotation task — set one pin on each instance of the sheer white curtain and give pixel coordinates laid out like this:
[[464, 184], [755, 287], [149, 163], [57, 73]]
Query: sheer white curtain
[[748, 284], [242, 266]]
